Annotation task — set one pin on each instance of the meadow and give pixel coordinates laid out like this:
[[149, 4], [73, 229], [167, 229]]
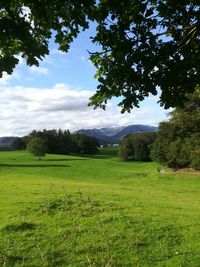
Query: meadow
[[96, 211]]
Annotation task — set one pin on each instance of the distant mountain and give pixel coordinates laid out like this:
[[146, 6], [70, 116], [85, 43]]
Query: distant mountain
[[115, 134], [111, 131], [6, 142], [134, 129]]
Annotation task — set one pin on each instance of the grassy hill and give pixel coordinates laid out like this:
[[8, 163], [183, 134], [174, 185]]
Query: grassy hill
[[81, 211]]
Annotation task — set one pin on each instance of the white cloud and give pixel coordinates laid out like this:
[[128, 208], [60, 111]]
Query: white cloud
[[5, 78], [39, 70], [25, 109]]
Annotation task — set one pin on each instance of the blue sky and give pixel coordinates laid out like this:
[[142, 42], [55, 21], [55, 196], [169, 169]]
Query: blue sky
[[55, 95]]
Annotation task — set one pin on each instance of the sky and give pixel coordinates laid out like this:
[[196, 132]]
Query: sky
[[55, 95]]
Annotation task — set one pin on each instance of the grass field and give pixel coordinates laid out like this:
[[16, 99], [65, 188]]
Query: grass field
[[98, 211]]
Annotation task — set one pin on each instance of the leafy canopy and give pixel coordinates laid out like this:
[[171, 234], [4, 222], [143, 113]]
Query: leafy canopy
[[144, 44], [136, 146], [61, 142], [37, 147], [178, 140]]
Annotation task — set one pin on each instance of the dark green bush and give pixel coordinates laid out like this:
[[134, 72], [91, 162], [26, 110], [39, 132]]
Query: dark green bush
[[137, 146], [195, 159]]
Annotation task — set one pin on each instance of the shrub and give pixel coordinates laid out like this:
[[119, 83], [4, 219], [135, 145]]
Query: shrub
[[195, 159]]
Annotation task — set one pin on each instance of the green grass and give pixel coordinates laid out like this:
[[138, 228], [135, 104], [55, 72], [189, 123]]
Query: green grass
[[109, 151], [100, 211]]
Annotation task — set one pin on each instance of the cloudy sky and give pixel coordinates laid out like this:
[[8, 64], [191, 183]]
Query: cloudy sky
[[55, 95]]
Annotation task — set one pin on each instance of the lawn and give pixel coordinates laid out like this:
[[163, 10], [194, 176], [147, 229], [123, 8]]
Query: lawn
[[96, 211]]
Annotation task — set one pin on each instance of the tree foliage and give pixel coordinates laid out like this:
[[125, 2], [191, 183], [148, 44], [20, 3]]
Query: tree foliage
[[63, 142], [142, 44], [84, 144], [136, 146], [19, 144], [195, 162], [178, 140], [58, 142], [27, 25], [37, 147]]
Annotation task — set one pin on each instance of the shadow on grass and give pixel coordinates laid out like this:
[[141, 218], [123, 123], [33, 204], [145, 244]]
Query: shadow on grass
[[90, 156], [24, 226], [64, 159], [99, 156], [82, 157], [34, 165]]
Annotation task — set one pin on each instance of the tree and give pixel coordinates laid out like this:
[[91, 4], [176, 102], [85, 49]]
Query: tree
[[179, 154], [37, 147], [85, 144], [62, 142], [19, 144], [126, 150], [136, 146], [178, 140], [57, 142], [195, 159], [142, 44]]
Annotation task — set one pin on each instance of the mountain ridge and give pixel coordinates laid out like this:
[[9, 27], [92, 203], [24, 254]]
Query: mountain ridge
[[115, 134]]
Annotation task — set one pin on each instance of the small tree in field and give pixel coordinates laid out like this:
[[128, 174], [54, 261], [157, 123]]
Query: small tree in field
[[37, 147]]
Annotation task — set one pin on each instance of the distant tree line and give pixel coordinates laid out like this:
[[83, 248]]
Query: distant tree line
[[60, 142], [176, 143]]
